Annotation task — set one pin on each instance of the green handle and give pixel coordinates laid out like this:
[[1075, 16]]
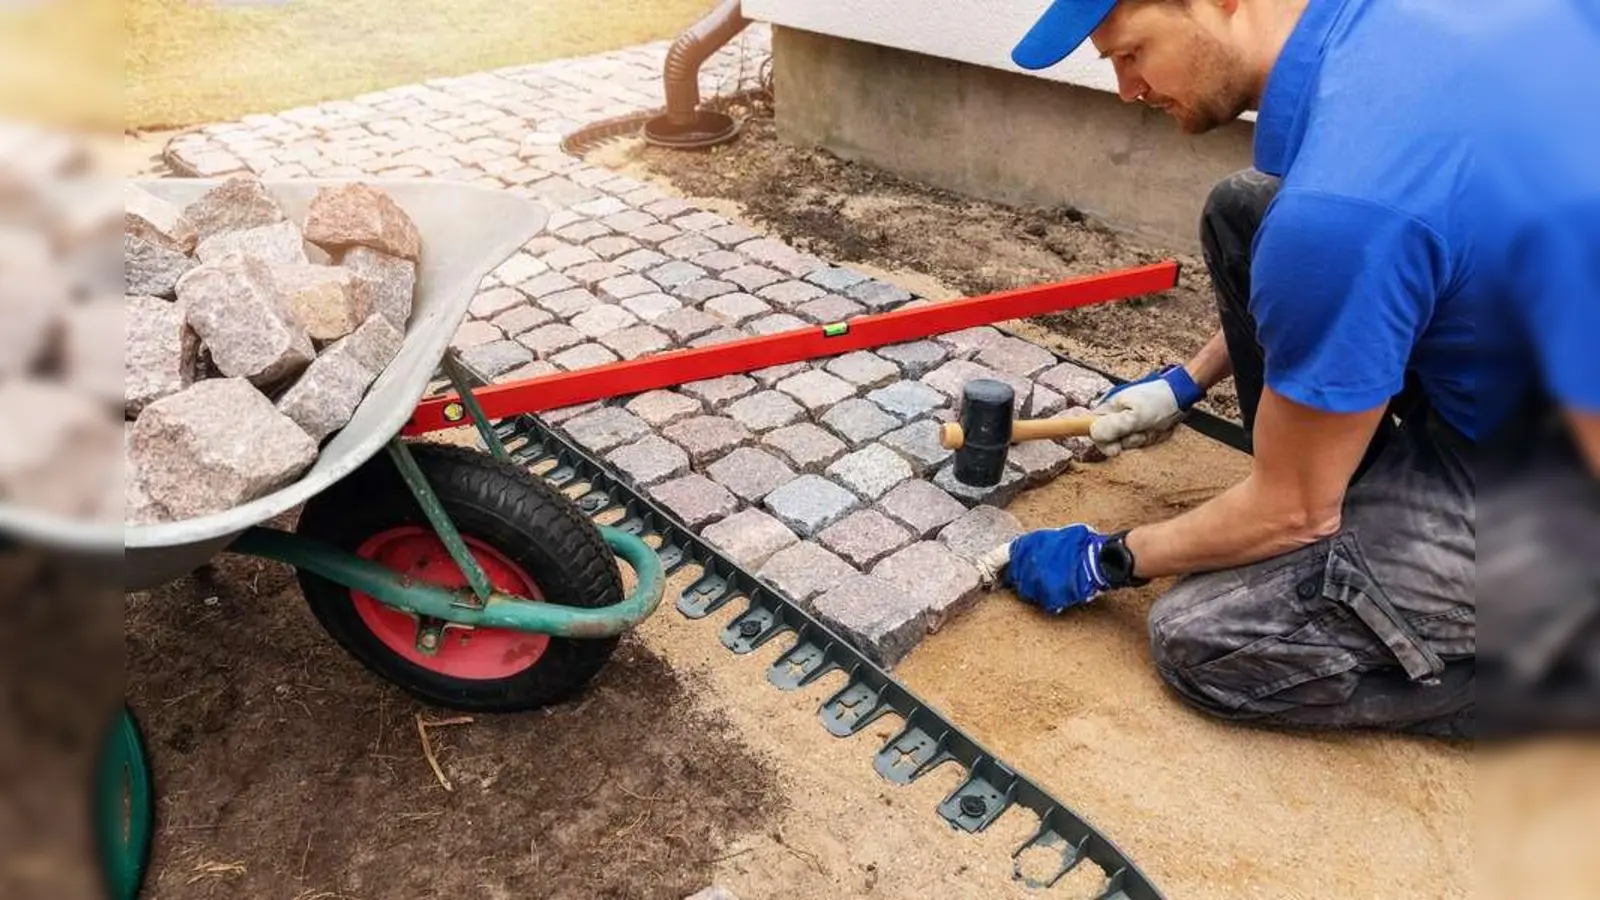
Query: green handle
[[124, 808]]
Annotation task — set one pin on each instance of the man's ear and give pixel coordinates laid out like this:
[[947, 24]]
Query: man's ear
[[1228, 7]]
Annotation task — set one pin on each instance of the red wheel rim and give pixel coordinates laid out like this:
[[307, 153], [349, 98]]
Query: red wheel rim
[[475, 654]]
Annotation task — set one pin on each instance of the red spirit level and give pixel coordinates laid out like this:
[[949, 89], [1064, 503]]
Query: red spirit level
[[675, 367]]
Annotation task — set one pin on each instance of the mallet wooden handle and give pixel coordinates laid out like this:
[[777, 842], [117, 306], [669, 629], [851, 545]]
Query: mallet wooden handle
[[951, 436]]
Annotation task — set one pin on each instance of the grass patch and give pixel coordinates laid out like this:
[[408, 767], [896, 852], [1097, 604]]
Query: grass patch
[[189, 62]]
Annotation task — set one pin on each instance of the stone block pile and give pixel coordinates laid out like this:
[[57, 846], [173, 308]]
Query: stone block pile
[[252, 338]]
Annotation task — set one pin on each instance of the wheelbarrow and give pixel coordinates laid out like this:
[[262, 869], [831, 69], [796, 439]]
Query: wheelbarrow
[[464, 580]]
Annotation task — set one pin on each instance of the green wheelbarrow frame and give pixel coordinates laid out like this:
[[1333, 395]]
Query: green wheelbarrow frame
[[480, 605]]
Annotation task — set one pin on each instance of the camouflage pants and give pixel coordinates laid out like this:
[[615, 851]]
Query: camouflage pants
[[1374, 627]]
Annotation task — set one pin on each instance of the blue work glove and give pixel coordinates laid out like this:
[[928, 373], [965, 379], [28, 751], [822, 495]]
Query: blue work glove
[[1057, 568], [1143, 413]]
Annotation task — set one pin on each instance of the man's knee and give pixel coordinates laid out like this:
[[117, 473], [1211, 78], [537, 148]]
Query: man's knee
[[1233, 212]]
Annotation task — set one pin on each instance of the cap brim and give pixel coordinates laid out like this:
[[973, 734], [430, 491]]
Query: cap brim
[[1061, 30]]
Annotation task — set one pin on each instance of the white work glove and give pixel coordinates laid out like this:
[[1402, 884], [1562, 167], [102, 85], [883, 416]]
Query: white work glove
[[1143, 413]]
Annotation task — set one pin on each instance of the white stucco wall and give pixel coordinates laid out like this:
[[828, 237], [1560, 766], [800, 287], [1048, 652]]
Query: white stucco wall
[[979, 32]]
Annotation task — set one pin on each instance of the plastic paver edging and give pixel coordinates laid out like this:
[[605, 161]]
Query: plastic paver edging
[[925, 740]]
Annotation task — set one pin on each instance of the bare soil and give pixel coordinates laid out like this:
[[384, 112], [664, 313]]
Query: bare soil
[[941, 244]]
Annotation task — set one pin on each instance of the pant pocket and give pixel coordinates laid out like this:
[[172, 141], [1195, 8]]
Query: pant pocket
[[1348, 583]]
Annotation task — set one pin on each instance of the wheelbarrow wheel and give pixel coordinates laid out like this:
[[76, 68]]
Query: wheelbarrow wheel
[[529, 538]]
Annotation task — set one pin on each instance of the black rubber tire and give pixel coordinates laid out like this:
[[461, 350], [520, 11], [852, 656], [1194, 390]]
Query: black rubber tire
[[520, 515]]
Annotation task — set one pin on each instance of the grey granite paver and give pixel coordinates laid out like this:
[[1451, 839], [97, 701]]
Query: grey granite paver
[[879, 617], [790, 294], [695, 499], [908, 400], [584, 232], [804, 569], [1039, 461], [720, 391], [857, 420], [698, 221], [915, 358], [590, 275], [870, 471], [736, 308], [921, 507], [878, 296], [864, 537], [657, 233], [835, 278], [624, 286], [810, 503], [945, 582], [829, 308], [750, 537], [568, 303], [495, 301], [951, 380], [766, 410], [980, 530], [650, 460], [496, 357], [687, 323], [633, 222], [546, 284], [919, 444], [548, 340], [704, 289], [721, 335], [752, 277], [750, 473], [1044, 403], [663, 407], [816, 389], [603, 318], [998, 495], [536, 369], [570, 256], [675, 274], [473, 333], [1077, 386], [606, 427], [689, 246], [518, 319], [731, 235], [775, 323], [650, 307], [636, 341], [864, 369], [583, 356], [1015, 357], [968, 342], [771, 375], [806, 446], [612, 246], [706, 438], [718, 260], [639, 260]]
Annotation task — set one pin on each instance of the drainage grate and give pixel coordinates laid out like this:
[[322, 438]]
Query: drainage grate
[[926, 739]]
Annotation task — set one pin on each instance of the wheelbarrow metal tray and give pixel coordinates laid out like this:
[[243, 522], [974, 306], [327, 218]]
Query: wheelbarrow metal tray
[[467, 231]]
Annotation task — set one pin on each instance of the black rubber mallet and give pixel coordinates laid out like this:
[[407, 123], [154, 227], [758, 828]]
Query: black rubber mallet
[[987, 429]]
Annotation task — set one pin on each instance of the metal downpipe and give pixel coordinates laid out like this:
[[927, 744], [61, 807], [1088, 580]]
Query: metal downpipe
[[684, 124]]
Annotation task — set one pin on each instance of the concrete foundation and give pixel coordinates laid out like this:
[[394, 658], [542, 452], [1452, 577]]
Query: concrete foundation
[[1000, 136]]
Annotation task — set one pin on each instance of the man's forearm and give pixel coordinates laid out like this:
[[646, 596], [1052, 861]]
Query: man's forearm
[[1212, 364], [1237, 527], [1586, 426]]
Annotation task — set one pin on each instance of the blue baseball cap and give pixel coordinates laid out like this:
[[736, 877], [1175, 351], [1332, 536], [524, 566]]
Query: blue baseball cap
[[1065, 25]]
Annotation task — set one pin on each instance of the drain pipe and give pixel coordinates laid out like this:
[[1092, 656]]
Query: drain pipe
[[684, 125]]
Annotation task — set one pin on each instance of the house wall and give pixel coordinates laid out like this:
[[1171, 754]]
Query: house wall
[[926, 90]]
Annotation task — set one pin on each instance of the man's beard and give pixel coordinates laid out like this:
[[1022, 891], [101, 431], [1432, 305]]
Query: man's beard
[[1219, 95]]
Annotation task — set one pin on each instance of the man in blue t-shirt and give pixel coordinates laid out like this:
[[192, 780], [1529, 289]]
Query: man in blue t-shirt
[[1394, 291]]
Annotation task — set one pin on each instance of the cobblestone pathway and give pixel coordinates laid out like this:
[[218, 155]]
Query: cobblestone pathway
[[824, 478]]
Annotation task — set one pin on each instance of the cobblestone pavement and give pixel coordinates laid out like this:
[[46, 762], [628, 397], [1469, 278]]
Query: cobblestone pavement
[[824, 478]]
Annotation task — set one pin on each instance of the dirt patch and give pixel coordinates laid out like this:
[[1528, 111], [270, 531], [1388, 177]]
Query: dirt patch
[[942, 244], [284, 769]]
